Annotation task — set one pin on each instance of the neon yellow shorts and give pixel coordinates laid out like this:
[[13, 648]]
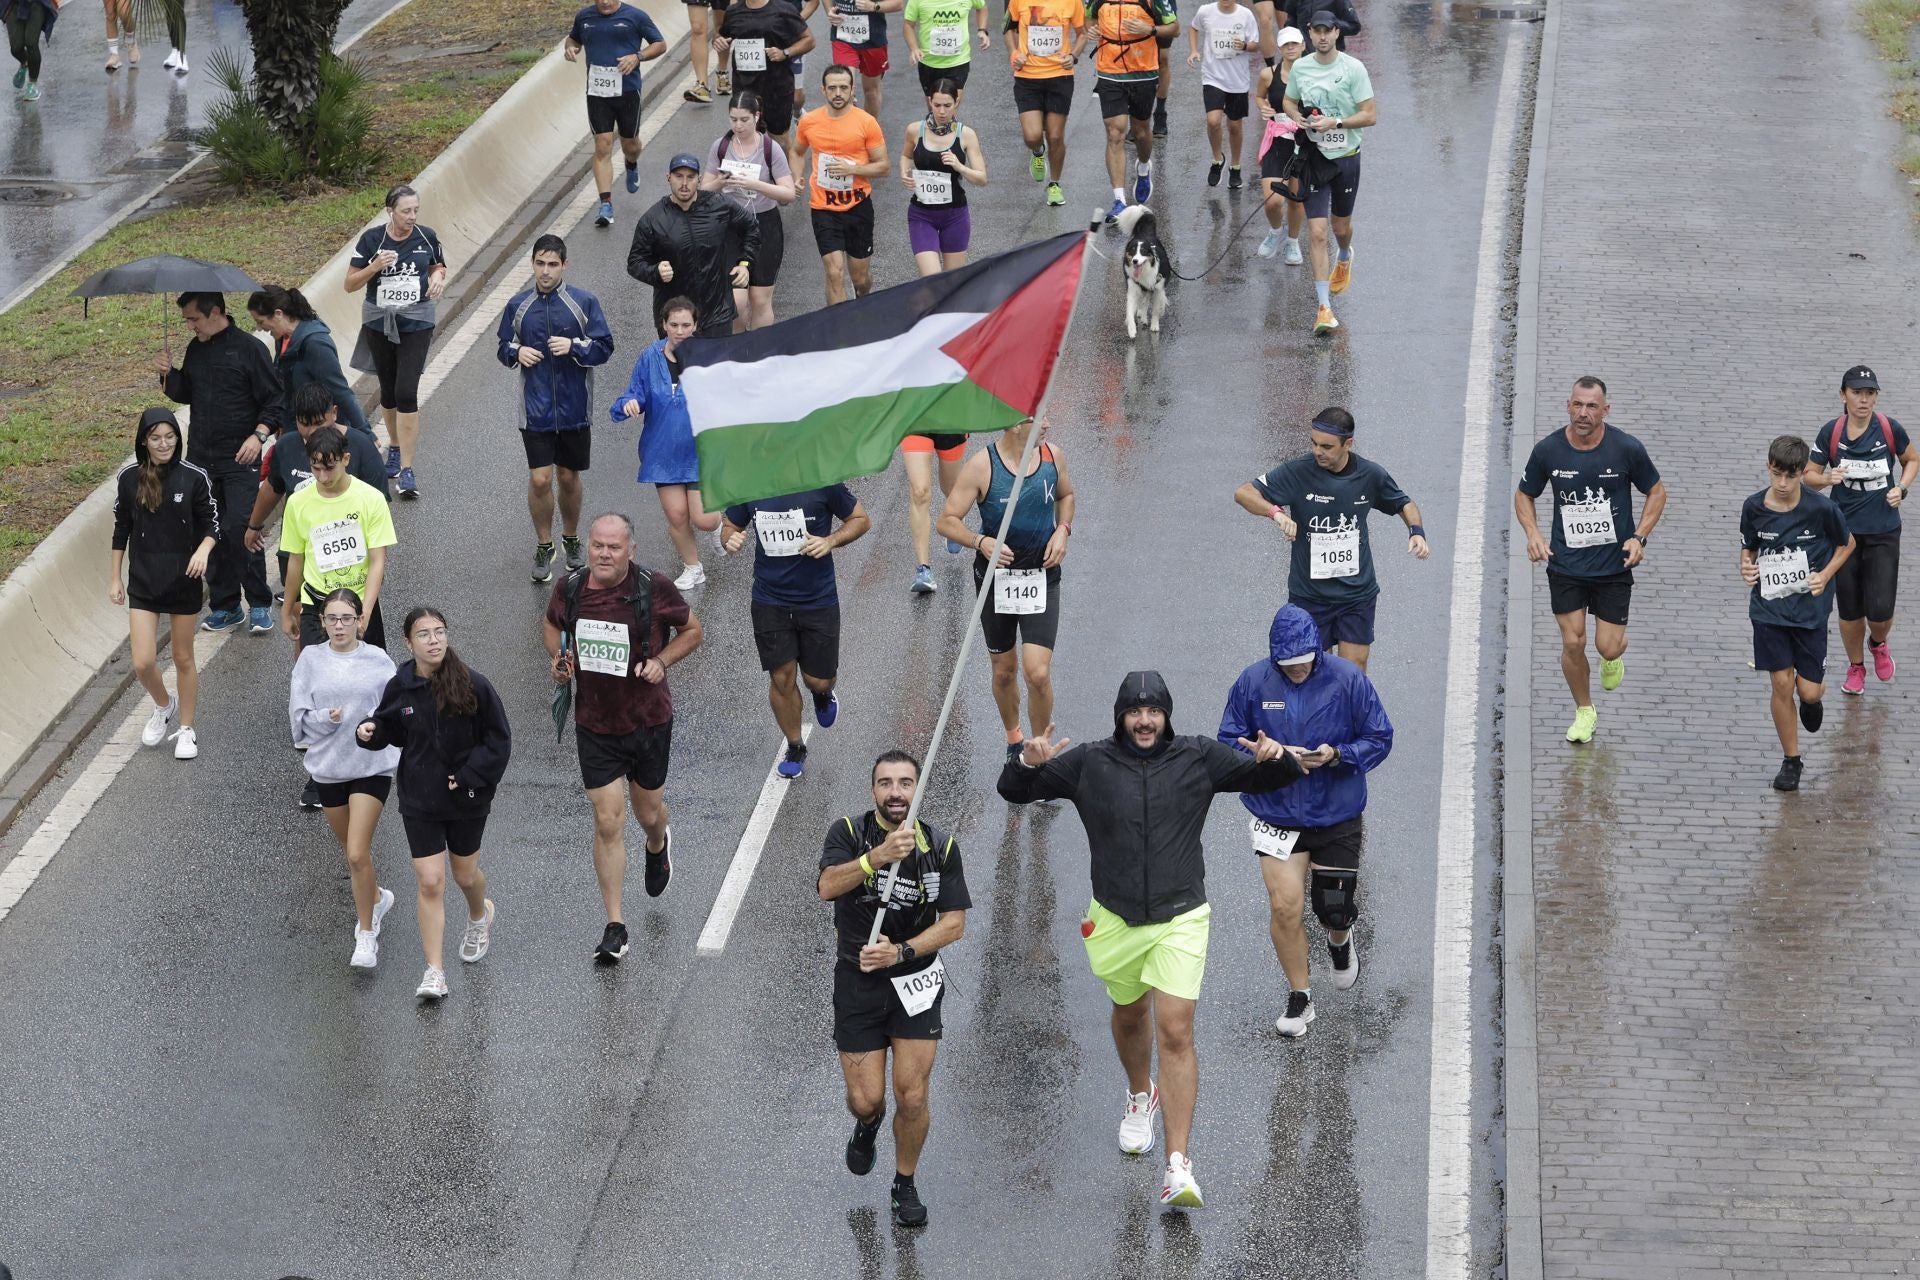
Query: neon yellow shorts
[[1129, 958]]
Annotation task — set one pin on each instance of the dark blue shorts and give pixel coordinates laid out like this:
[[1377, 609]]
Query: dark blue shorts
[[1804, 649], [1352, 623]]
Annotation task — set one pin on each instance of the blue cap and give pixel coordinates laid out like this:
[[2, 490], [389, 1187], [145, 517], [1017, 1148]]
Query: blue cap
[[684, 160]]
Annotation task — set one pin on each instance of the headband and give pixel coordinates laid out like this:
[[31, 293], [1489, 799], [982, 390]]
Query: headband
[[1345, 433]]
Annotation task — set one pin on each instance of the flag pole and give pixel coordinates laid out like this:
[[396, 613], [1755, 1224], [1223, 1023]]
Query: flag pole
[[980, 598]]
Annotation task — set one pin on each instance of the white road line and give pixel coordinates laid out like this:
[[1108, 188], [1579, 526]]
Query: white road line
[[1450, 1091], [733, 890]]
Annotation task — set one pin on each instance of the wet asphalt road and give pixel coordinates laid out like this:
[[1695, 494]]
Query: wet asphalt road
[[95, 143], [198, 1085]]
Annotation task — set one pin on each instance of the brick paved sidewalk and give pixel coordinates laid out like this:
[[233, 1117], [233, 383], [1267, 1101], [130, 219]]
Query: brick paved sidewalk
[[1728, 979]]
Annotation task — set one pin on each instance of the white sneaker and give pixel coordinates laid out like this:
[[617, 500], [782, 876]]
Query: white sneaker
[[1136, 1127], [1293, 1023], [185, 745], [1348, 951], [173, 59], [479, 936], [433, 984], [1293, 258], [381, 905], [180, 67], [156, 731], [366, 948], [1269, 244], [1178, 1188], [691, 576]]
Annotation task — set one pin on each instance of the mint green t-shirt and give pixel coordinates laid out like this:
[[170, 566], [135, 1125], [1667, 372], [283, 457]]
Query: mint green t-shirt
[[1337, 88], [942, 25]]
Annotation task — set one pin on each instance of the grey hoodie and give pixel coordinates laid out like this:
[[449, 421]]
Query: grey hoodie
[[323, 680]]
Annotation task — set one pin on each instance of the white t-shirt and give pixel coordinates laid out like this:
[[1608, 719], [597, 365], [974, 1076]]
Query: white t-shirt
[[1229, 72]]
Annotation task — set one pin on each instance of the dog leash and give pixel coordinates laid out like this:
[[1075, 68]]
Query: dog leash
[[1100, 222]]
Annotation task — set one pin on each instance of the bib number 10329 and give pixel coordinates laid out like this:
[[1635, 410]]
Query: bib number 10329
[[918, 991]]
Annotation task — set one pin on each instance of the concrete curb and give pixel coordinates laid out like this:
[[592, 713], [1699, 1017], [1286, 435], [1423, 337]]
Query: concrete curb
[[501, 176], [1525, 1253]]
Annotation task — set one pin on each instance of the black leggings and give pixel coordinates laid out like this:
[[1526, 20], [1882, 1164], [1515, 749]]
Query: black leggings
[[177, 27], [1867, 583], [399, 366], [24, 27]]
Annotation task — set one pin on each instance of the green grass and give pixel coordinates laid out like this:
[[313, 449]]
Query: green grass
[[1889, 24]]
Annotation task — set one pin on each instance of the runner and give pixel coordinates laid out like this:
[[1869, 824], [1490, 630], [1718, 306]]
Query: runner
[[1595, 543], [1024, 606], [1163, 83], [335, 532], [454, 746], [887, 994], [617, 38], [1331, 97], [1126, 63], [796, 601], [1330, 491], [936, 33], [771, 36], [618, 641], [29, 25], [119, 24], [1285, 217], [694, 244], [1225, 30], [226, 377], [338, 684], [746, 167], [919, 455], [939, 157], [698, 34], [667, 459], [860, 42], [1858, 465], [555, 334], [403, 269], [1793, 542], [1302, 695], [304, 352], [1342, 11], [165, 527], [1043, 59], [1143, 795], [842, 190]]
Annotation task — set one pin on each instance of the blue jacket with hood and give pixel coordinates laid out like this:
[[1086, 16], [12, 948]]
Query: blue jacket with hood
[[1335, 704], [557, 393]]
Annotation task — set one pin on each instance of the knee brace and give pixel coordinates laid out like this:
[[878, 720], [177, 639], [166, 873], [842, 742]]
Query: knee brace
[[1336, 898]]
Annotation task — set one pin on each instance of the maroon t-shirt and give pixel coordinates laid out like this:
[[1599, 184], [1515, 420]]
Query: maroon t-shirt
[[609, 695]]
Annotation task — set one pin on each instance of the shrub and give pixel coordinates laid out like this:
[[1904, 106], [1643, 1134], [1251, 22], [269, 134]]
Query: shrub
[[332, 143]]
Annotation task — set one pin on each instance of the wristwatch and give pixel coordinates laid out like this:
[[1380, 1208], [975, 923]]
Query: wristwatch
[[1641, 538], [263, 436], [906, 953]]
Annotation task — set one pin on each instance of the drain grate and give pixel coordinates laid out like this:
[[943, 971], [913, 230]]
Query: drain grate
[[30, 193]]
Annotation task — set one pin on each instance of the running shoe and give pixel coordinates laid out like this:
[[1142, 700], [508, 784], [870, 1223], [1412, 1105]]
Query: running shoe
[[543, 562], [1013, 751], [1856, 681], [185, 745], [1585, 720], [381, 905], [1039, 167], [1811, 715], [604, 218], [433, 985], [1113, 211], [1612, 672], [1882, 662], [1788, 779], [1056, 196], [576, 556], [478, 937], [723, 83], [180, 67], [633, 180], [157, 724], [1136, 1126], [907, 1209], [393, 462], [1293, 1023], [1293, 256], [1346, 962], [172, 59], [660, 865], [860, 1145], [260, 620], [113, 58], [222, 620], [699, 93], [1234, 181], [310, 796], [1178, 1189], [955, 548], [1269, 244], [20, 77], [1324, 321], [691, 576], [825, 713], [133, 52], [409, 487], [32, 92], [613, 944], [795, 761], [1342, 272], [923, 584], [1142, 187], [1214, 171], [366, 948]]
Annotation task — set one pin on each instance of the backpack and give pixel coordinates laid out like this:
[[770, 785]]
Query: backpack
[[724, 148], [922, 846], [1839, 424], [642, 608]]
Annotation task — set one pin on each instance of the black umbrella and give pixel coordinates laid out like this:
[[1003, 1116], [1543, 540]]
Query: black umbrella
[[165, 273]]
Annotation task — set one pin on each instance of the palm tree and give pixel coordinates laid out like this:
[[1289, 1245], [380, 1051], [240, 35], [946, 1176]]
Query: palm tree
[[290, 40]]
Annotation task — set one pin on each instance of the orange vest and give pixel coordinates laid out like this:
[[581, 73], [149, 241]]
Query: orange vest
[[1120, 53]]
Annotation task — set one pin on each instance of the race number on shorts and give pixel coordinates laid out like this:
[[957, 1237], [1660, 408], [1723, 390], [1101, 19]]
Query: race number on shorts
[[918, 991], [1270, 841], [1018, 591]]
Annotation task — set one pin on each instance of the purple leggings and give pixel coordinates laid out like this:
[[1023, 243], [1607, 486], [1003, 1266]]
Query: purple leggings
[[934, 229]]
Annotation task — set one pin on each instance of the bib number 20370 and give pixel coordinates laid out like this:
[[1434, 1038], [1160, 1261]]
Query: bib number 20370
[[918, 991], [605, 648]]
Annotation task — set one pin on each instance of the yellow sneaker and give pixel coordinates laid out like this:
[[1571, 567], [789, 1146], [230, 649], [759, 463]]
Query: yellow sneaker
[[1585, 720], [1325, 321], [1612, 672], [1342, 273]]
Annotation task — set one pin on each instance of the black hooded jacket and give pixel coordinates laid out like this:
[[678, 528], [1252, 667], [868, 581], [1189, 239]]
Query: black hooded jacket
[[159, 543], [703, 243], [1144, 813], [472, 749]]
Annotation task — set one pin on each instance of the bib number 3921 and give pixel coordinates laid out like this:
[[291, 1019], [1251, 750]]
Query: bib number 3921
[[1272, 842], [1019, 591], [918, 991], [946, 42]]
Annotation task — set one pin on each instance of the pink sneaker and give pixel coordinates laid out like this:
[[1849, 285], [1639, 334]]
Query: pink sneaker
[[1882, 662], [1856, 681]]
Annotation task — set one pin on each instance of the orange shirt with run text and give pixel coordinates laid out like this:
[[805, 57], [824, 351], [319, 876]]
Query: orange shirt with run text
[[852, 137]]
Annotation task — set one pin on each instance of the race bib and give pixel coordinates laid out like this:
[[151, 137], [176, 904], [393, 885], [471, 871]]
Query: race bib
[[747, 169], [750, 55], [1046, 42], [1784, 574], [1588, 524], [336, 545], [1018, 591], [918, 991], [1332, 140], [1223, 44], [781, 532], [603, 82], [1333, 554], [1865, 473], [396, 291], [827, 181], [946, 42], [931, 186], [1272, 842], [603, 647], [855, 28]]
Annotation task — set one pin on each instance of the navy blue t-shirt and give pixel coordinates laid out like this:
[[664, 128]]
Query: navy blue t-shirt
[[1789, 545], [406, 280], [1332, 556], [786, 578], [1591, 500], [1869, 470], [609, 37]]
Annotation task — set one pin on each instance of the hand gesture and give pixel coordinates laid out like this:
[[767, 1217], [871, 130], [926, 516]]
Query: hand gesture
[[386, 258], [816, 547], [436, 285], [290, 619], [1817, 582], [529, 356], [627, 64], [735, 540], [986, 41], [1193, 57], [1136, 26], [999, 556], [1037, 751], [1265, 748], [897, 847], [948, 159], [1894, 496], [162, 364], [572, 52], [739, 275], [253, 540], [721, 44], [1286, 523], [1635, 551], [666, 272]]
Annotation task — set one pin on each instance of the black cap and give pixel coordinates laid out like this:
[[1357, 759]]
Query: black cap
[[1859, 378], [684, 160], [1323, 18]]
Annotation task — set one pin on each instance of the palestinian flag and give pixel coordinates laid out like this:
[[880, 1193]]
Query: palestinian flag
[[827, 396]]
